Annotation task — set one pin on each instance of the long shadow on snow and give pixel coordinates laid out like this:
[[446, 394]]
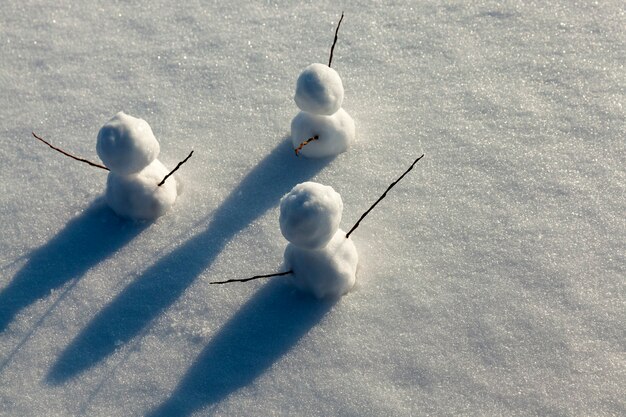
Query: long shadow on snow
[[263, 330], [84, 242], [161, 284]]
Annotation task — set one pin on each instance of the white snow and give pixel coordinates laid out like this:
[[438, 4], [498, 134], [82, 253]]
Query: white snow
[[334, 133], [138, 196], [491, 279], [310, 214], [126, 144], [329, 271], [319, 90]]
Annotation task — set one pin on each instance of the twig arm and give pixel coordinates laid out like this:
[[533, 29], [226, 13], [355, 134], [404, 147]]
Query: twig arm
[[254, 277], [93, 164], [306, 142], [332, 48], [381, 197], [175, 169]]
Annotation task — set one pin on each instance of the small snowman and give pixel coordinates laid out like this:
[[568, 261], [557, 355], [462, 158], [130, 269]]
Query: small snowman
[[322, 128], [322, 260], [134, 187]]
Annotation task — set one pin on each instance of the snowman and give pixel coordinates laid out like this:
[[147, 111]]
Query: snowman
[[322, 128], [321, 259], [134, 187]]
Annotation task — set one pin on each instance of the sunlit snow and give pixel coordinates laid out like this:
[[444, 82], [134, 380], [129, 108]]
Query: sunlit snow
[[491, 280]]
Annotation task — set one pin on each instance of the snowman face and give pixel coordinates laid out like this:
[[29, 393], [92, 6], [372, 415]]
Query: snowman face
[[126, 144], [319, 90], [310, 215]]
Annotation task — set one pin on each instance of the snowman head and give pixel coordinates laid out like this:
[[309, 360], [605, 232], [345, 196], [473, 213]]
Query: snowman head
[[310, 214], [126, 144], [319, 90]]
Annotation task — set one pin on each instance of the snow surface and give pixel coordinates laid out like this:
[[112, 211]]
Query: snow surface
[[491, 279]]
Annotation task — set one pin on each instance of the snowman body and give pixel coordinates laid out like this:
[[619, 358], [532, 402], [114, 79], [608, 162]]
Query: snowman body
[[322, 260], [326, 272], [319, 95], [129, 149]]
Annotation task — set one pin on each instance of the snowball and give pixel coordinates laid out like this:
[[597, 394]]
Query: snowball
[[310, 214], [319, 90], [325, 272], [137, 196], [126, 144], [335, 133]]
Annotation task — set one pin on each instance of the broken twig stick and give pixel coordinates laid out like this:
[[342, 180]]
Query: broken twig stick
[[381, 197], [175, 169], [306, 142], [278, 274], [332, 48], [93, 164]]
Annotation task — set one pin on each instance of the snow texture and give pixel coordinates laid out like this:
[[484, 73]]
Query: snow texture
[[325, 272], [126, 144], [319, 90], [335, 133], [491, 278], [310, 214], [138, 196]]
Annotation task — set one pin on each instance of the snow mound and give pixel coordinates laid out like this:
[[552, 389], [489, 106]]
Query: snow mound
[[126, 144], [138, 196], [335, 133], [319, 90], [328, 272], [310, 214]]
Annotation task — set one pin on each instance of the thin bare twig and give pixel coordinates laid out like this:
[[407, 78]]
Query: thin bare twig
[[382, 196], [332, 48], [306, 142], [278, 274], [175, 169], [93, 164]]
